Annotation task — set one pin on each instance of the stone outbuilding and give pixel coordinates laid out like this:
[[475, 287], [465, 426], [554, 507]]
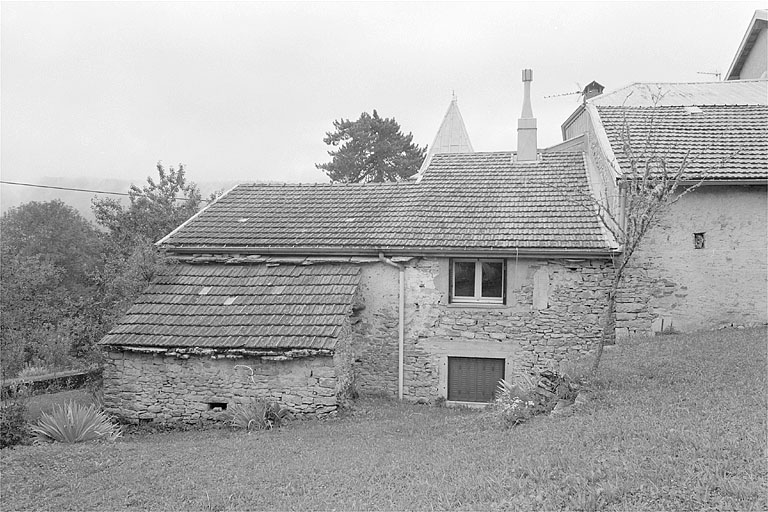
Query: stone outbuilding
[[204, 337]]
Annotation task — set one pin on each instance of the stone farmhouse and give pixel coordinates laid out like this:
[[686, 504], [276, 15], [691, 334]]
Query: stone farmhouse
[[435, 288]]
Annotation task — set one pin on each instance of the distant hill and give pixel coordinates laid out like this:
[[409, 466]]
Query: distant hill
[[15, 195]]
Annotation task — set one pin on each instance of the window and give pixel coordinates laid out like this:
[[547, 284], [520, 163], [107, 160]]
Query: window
[[473, 379], [698, 240], [477, 280]]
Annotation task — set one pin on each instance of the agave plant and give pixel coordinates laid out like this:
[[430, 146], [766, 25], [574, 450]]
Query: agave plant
[[259, 414], [74, 423]]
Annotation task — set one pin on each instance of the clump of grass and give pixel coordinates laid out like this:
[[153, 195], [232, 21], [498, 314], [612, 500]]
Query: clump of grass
[[259, 414], [74, 423]]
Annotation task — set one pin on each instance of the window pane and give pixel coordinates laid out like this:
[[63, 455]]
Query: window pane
[[464, 279], [493, 279]]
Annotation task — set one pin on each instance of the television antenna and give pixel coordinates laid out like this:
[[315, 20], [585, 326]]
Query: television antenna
[[579, 90], [715, 74]]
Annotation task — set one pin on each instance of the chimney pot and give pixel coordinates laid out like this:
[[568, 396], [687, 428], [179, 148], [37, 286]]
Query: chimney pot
[[527, 75]]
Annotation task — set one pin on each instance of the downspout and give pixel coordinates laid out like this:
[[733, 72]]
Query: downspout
[[401, 322]]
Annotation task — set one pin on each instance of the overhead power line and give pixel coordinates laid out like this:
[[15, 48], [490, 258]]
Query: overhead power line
[[77, 189]]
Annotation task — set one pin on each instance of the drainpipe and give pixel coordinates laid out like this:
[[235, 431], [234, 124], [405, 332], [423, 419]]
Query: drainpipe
[[401, 322]]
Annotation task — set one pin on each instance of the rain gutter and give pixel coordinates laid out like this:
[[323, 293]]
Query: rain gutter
[[460, 252]]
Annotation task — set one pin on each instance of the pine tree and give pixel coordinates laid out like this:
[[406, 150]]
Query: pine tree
[[371, 149]]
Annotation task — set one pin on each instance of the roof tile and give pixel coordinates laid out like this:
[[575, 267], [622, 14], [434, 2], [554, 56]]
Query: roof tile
[[720, 142], [171, 313], [480, 201]]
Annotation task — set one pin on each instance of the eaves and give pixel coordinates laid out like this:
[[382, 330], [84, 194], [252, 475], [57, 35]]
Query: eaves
[[451, 252]]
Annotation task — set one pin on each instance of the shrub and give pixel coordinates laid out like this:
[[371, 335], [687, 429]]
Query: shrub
[[74, 423], [517, 403], [13, 425], [259, 414]]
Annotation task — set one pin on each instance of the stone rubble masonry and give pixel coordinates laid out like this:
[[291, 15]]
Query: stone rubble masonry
[[671, 286], [553, 313], [375, 331], [164, 388], [536, 328]]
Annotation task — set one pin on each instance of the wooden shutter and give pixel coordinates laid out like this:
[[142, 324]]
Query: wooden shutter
[[473, 379]]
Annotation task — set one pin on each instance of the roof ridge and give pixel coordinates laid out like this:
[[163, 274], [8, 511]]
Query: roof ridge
[[727, 105], [321, 184], [690, 82]]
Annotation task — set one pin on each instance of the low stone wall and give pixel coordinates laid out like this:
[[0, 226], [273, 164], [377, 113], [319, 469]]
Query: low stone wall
[[169, 389], [50, 383]]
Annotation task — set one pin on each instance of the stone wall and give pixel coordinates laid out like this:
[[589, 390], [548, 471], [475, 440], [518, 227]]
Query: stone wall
[[553, 313], [672, 286], [375, 331], [169, 389]]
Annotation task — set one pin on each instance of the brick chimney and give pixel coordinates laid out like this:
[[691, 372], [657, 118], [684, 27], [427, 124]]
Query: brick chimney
[[526, 125]]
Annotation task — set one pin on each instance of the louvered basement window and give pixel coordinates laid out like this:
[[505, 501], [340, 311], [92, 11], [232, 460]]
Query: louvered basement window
[[473, 379]]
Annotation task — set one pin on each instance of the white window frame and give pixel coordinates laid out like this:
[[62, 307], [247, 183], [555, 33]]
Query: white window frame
[[477, 298]]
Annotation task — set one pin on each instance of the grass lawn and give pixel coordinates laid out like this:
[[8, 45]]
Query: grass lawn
[[677, 423]]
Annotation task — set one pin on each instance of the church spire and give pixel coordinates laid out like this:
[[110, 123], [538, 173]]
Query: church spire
[[451, 136]]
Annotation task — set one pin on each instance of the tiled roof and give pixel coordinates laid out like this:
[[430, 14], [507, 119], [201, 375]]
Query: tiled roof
[[475, 201], [741, 92], [722, 142], [241, 306], [486, 200]]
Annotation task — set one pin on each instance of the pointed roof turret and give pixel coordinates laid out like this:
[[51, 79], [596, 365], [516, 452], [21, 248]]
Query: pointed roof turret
[[451, 137]]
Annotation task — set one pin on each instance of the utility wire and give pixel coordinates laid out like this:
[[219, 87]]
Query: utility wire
[[78, 189]]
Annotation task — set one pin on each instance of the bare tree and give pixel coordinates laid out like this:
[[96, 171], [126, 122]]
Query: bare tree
[[646, 189], [650, 182]]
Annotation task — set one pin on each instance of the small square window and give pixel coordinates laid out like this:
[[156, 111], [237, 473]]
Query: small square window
[[698, 240], [477, 280]]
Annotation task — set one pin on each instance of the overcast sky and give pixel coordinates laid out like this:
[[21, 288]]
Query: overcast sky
[[246, 91]]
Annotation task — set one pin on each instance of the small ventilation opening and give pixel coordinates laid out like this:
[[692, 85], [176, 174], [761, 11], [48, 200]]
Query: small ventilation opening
[[217, 406], [698, 240]]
